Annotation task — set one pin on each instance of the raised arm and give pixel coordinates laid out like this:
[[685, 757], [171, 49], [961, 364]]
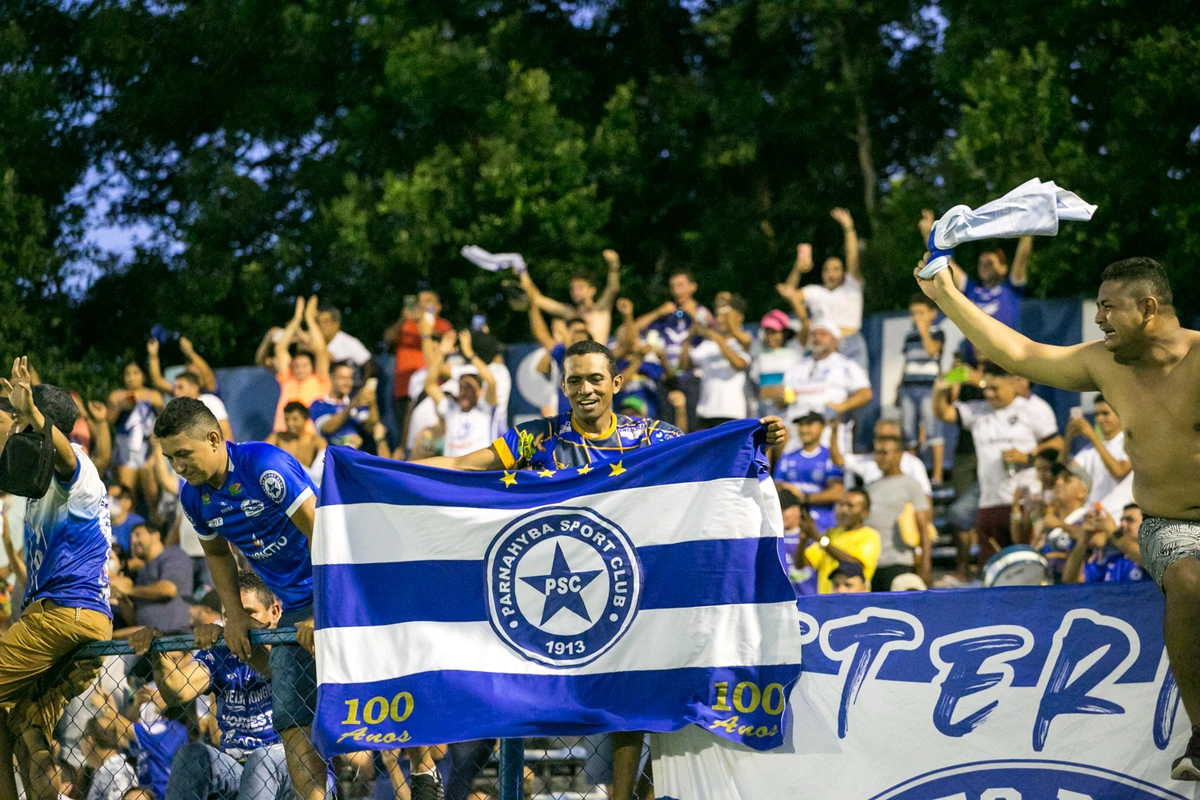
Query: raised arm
[[803, 265], [540, 301], [266, 347], [1019, 274], [613, 285], [734, 358], [485, 374], [539, 329], [485, 460], [925, 226], [435, 357], [943, 402], [283, 359], [197, 364], [156, 377], [849, 241], [1061, 367], [97, 422], [316, 339], [15, 562], [20, 395]]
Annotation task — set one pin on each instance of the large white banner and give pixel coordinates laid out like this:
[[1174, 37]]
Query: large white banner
[[990, 694]]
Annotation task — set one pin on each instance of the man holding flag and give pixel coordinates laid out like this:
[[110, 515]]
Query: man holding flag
[[589, 434]]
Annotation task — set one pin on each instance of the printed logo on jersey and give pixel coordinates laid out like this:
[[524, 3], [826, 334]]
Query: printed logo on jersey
[[235, 490], [252, 508], [273, 486], [563, 584], [267, 550], [215, 522]]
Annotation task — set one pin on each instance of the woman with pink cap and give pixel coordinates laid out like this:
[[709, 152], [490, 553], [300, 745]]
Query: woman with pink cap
[[777, 350]]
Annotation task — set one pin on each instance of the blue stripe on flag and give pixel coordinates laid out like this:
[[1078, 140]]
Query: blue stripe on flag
[[727, 451], [683, 575], [491, 705]]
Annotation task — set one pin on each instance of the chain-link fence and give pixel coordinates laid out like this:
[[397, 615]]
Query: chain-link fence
[[182, 724]]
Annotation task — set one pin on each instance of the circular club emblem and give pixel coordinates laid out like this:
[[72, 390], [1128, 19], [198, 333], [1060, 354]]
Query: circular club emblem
[[1029, 779], [563, 585], [272, 485]]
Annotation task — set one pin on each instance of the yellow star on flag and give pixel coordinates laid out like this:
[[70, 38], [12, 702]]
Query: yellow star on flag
[[509, 479], [546, 473], [617, 469], [585, 469]]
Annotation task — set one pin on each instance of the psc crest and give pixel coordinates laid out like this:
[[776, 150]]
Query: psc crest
[[563, 585]]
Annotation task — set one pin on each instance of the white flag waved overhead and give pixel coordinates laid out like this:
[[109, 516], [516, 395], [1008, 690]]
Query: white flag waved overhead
[[493, 262], [1032, 209]]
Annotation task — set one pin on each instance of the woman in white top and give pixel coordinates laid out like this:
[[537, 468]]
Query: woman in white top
[[838, 298]]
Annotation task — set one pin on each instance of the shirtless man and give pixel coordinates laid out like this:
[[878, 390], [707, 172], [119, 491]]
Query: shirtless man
[[1148, 369], [302, 445], [597, 313]]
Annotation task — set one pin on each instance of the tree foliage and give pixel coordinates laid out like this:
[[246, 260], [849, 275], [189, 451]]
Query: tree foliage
[[351, 147]]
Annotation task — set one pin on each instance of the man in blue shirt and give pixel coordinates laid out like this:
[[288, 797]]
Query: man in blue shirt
[[258, 498], [1106, 551], [66, 600], [250, 762], [590, 433], [810, 473]]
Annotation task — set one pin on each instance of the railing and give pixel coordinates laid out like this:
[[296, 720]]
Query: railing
[[568, 768]]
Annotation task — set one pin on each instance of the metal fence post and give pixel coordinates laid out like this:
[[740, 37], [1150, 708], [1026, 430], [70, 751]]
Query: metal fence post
[[512, 769]]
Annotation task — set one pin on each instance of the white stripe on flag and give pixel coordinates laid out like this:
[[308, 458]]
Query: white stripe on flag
[[659, 639], [371, 533]]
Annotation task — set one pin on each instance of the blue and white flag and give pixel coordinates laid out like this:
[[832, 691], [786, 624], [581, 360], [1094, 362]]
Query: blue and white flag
[[640, 594]]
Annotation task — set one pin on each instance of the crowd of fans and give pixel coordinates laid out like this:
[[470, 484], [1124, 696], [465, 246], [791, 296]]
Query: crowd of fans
[[195, 725]]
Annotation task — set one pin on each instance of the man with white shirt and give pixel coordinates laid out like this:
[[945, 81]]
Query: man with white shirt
[[1008, 430], [826, 382], [341, 345], [839, 296], [468, 416], [721, 361], [1104, 460]]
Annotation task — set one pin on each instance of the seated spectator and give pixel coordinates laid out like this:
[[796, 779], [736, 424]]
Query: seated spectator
[[405, 337], [161, 585], [922, 365], [340, 418], [721, 360], [342, 347], [296, 438], [303, 377], [848, 578], [1008, 431], [1104, 458], [863, 470], [851, 542], [838, 298], [778, 350], [898, 501], [111, 774], [250, 762], [468, 417], [124, 520], [791, 544], [826, 382], [133, 410], [810, 473], [1106, 551], [1062, 523], [596, 313], [190, 383]]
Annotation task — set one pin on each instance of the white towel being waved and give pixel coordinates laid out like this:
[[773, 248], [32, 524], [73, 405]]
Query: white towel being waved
[[493, 262], [1032, 209]]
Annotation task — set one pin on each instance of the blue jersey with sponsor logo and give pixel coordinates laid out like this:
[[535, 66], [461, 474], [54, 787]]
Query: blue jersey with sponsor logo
[[327, 408], [243, 702], [67, 535], [1111, 566], [555, 443], [811, 473], [252, 510]]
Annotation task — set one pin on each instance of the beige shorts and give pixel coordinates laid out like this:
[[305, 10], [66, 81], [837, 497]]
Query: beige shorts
[[37, 676]]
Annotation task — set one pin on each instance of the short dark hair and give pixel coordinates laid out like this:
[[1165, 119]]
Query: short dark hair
[[248, 581], [191, 378], [185, 415], [585, 277], [995, 370], [150, 528], [333, 311], [922, 299], [123, 492], [56, 405], [1131, 505], [341, 365], [863, 493], [1100, 399], [684, 272], [305, 354], [588, 347], [1147, 274], [297, 407]]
